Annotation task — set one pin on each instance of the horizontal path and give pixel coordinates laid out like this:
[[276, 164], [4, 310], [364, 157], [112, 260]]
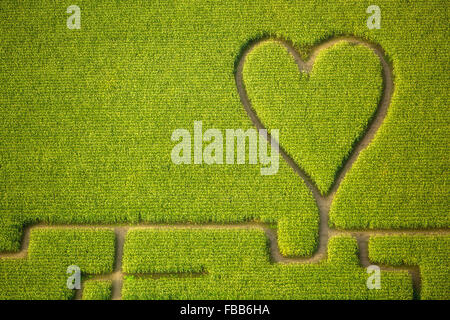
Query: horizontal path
[[276, 257]]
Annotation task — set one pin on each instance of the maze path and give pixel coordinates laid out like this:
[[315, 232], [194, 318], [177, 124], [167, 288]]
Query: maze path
[[275, 256]]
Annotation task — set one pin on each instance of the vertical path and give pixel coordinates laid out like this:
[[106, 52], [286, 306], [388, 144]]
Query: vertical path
[[414, 271], [117, 275], [79, 293]]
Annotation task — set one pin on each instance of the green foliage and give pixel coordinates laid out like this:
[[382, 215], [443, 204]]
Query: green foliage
[[97, 290], [234, 264], [42, 275], [10, 233], [430, 253], [298, 236], [322, 114], [402, 179], [343, 250], [87, 117], [89, 133], [188, 250]]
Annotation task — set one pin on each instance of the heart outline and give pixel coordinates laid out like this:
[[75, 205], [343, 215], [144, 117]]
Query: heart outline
[[323, 201]]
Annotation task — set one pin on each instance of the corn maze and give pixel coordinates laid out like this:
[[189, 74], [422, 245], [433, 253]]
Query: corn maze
[[358, 114]]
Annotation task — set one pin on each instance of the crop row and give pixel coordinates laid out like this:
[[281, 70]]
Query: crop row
[[430, 253], [235, 264], [92, 144], [10, 233], [43, 274], [97, 290], [219, 264]]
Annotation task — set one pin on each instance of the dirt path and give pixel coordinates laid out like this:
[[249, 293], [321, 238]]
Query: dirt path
[[121, 230], [117, 276]]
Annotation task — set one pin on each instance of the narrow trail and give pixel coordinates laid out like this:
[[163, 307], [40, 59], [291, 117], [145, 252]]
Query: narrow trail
[[323, 201], [276, 257], [117, 276]]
